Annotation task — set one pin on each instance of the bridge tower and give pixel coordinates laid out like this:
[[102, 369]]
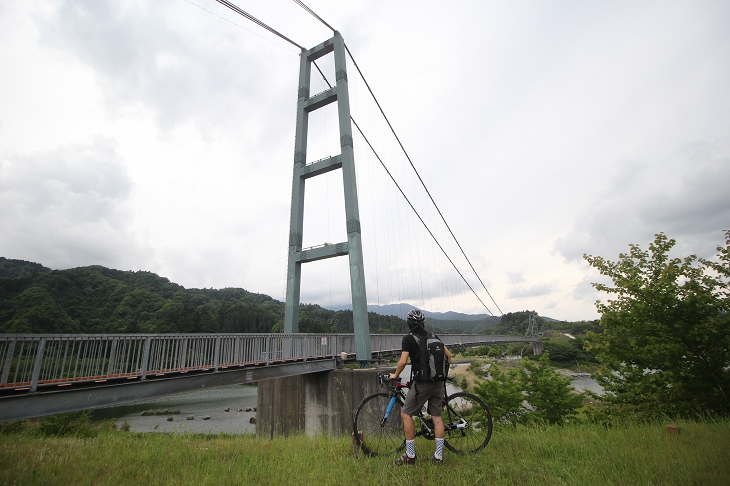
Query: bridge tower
[[303, 171]]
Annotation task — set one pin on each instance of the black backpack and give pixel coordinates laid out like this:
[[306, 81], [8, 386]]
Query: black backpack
[[433, 365]]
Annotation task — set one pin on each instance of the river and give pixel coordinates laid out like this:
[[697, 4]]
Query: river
[[209, 402], [212, 402]]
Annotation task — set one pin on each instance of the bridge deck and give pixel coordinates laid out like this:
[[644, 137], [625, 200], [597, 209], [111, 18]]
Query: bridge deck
[[53, 373]]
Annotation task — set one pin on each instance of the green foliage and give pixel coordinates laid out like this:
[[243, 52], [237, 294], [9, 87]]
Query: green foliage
[[503, 394], [581, 454], [516, 323], [453, 326], [100, 300], [485, 350], [549, 394], [568, 351], [497, 350], [664, 348], [20, 268], [574, 328], [533, 393], [73, 424]]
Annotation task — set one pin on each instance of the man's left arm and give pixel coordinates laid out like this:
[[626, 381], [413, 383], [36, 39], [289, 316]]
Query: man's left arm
[[401, 364]]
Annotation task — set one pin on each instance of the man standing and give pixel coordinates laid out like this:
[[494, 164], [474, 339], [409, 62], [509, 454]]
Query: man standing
[[420, 391]]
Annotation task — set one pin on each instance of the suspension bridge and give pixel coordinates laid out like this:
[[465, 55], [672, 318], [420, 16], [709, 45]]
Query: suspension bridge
[[48, 374], [44, 374]]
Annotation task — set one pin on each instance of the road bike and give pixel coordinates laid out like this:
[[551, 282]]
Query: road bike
[[378, 426]]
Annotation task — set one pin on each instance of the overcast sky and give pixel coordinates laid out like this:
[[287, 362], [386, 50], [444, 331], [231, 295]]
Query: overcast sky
[[158, 135]]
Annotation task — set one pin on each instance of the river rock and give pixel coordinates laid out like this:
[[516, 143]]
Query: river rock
[[207, 417], [169, 419], [252, 420], [227, 409], [190, 417]]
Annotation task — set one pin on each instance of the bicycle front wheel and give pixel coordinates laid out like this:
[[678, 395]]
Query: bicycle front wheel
[[468, 423], [378, 436]]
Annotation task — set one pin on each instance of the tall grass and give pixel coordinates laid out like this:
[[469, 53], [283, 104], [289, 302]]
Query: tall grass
[[577, 454]]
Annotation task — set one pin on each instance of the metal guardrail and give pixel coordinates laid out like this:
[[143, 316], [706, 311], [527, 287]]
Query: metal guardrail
[[29, 361], [36, 362]]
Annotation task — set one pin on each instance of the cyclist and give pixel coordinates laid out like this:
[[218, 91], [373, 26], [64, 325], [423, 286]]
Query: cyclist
[[420, 392]]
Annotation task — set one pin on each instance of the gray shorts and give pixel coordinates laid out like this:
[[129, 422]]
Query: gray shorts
[[422, 392]]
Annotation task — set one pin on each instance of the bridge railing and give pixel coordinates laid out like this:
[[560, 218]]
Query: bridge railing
[[29, 361]]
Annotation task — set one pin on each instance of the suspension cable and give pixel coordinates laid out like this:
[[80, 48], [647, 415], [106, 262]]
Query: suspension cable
[[419, 216], [419, 176], [253, 19], [250, 17], [238, 25], [301, 4]]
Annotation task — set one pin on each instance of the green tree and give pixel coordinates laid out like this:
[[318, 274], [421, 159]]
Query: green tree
[[533, 393], [666, 332], [503, 394], [550, 395]]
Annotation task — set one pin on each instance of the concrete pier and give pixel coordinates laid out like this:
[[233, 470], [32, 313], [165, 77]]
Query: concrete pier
[[315, 403], [538, 348]]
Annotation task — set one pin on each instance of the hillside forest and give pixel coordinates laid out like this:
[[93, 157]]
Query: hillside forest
[[95, 299]]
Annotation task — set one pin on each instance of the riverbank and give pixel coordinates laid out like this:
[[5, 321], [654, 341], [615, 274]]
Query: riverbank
[[580, 380], [574, 455]]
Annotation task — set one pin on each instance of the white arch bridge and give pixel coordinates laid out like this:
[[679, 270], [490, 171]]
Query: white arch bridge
[[45, 374]]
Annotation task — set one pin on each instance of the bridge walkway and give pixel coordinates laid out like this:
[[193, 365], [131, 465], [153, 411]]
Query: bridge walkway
[[44, 374]]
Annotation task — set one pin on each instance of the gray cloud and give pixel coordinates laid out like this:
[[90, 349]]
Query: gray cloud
[[66, 207], [536, 290], [142, 56], [559, 135], [515, 277], [687, 199], [584, 290]]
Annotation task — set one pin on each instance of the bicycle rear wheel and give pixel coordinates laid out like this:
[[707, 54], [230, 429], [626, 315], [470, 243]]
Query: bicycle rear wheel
[[379, 437], [468, 423]]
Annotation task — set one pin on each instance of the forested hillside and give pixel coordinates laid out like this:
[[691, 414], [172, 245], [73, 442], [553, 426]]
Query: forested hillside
[[19, 268], [95, 299]]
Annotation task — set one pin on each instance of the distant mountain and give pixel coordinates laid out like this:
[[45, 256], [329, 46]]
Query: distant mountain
[[95, 299], [20, 268], [401, 310]]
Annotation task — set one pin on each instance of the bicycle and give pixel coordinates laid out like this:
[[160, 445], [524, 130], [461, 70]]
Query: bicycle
[[378, 425]]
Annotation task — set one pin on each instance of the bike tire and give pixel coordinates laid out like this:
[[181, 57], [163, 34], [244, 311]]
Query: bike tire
[[379, 439], [468, 423]]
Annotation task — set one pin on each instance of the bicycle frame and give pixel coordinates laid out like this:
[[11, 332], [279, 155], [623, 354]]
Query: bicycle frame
[[427, 427], [378, 429]]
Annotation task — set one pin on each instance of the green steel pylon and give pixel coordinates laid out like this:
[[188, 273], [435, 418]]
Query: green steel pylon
[[345, 161]]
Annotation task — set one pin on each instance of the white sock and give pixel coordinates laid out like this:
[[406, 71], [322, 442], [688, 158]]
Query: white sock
[[411, 448], [439, 449]]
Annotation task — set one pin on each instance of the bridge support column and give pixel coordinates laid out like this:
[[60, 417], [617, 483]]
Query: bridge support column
[[538, 348], [345, 160], [316, 403]]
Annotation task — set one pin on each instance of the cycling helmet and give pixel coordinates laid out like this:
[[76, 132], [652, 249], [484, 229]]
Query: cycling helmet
[[416, 319]]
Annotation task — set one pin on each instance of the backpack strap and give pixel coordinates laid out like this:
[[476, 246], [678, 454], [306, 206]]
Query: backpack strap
[[413, 371], [422, 342]]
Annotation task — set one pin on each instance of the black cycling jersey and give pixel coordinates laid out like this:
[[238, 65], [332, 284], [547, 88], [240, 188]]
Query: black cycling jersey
[[410, 345]]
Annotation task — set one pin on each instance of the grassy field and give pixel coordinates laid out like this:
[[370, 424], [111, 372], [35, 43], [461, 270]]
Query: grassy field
[[577, 454]]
